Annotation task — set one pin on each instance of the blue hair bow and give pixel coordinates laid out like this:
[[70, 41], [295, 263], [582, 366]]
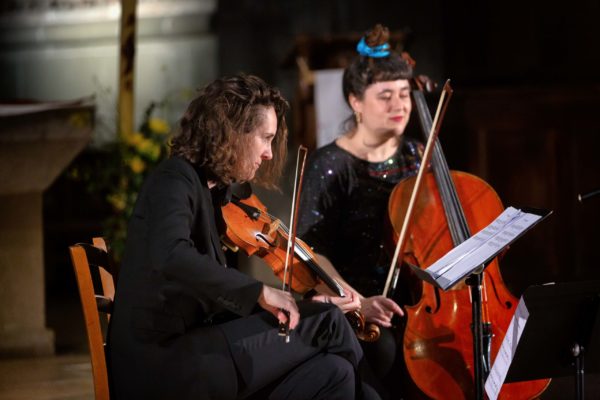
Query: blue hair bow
[[383, 50]]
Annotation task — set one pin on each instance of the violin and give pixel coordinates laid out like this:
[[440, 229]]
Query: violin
[[256, 232], [438, 345]]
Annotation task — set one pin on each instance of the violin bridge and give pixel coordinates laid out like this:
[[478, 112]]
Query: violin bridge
[[272, 227]]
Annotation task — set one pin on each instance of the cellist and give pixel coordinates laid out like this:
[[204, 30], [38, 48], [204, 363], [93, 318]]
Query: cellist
[[347, 185], [184, 325]]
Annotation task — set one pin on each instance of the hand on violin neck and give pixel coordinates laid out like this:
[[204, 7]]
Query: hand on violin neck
[[275, 300], [350, 302], [380, 310]]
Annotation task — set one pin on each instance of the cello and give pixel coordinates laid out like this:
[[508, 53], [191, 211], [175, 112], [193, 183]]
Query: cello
[[438, 345]]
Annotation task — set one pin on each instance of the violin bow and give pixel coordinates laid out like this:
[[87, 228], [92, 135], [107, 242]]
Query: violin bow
[[284, 328], [392, 277]]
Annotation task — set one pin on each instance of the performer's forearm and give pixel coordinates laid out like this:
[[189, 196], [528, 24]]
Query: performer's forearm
[[328, 267]]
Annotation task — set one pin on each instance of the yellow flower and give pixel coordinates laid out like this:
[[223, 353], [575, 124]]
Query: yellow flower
[[158, 125], [155, 153], [117, 200], [74, 173], [137, 165], [133, 139], [79, 119], [149, 149]]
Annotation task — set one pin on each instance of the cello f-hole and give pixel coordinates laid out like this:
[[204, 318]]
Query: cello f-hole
[[507, 303], [435, 308]]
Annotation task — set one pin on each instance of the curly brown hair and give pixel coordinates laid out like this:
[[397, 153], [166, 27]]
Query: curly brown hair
[[214, 132], [364, 71]]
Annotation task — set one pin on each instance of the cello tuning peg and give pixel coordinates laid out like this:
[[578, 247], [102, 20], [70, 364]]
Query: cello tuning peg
[[427, 83]]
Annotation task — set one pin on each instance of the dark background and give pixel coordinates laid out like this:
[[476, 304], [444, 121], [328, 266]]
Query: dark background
[[526, 79]]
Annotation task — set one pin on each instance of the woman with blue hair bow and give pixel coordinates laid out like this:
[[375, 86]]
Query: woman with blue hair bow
[[347, 186]]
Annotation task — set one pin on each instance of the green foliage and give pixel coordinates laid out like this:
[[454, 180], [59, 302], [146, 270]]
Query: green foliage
[[120, 176]]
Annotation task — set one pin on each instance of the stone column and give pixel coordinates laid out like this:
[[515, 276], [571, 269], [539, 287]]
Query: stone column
[[36, 143]]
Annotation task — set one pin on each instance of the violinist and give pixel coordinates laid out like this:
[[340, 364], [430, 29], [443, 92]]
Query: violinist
[[347, 185], [187, 326]]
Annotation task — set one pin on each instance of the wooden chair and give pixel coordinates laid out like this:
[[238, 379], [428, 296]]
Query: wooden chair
[[96, 278]]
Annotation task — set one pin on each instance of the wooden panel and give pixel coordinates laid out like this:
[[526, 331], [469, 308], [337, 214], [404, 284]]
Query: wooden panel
[[538, 147]]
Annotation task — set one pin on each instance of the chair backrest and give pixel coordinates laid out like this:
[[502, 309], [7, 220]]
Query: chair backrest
[[96, 278]]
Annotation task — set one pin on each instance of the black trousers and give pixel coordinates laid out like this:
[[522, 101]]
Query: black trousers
[[379, 368], [320, 361]]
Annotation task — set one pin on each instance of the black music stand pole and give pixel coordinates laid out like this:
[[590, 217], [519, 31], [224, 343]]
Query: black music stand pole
[[578, 353], [563, 326], [477, 329]]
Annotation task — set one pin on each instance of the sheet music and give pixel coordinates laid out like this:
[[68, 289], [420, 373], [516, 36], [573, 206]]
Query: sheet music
[[507, 351], [481, 247]]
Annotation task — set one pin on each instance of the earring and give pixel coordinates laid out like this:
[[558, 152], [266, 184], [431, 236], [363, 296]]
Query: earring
[[357, 117]]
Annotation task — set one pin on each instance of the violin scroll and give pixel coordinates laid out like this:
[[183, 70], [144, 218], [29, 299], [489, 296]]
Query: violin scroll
[[365, 331]]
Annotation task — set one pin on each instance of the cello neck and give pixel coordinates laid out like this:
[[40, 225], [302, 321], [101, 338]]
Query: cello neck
[[455, 215]]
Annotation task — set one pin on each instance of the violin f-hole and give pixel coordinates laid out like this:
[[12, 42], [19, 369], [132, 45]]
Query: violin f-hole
[[264, 239]]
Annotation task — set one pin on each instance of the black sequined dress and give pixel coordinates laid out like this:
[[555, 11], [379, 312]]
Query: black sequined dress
[[343, 209]]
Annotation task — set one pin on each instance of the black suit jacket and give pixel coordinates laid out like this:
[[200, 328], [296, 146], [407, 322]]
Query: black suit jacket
[[173, 284]]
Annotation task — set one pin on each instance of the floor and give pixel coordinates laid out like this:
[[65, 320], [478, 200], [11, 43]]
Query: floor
[[68, 374], [69, 377], [65, 377]]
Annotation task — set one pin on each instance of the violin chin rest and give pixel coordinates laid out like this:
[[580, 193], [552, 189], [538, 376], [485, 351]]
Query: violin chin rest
[[241, 190]]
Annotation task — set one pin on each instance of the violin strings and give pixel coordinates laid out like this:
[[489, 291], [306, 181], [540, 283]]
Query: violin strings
[[298, 249]]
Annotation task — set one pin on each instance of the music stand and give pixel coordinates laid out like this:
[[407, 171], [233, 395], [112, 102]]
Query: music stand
[[469, 259], [563, 326]]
